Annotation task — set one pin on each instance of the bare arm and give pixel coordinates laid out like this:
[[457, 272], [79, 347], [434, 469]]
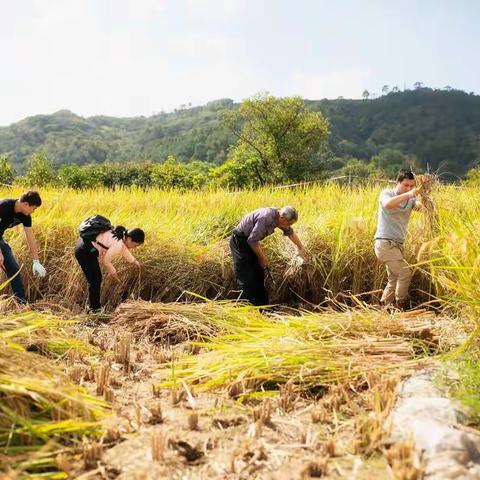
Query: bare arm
[[260, 253], [32, 242], [296, 241], [110, 254], [127, 255], [398, 199]]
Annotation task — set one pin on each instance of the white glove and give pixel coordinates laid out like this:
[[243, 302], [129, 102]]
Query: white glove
[[303, 254], [39, 268]]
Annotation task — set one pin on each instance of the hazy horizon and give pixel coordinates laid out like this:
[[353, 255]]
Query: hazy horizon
[[130, 58]]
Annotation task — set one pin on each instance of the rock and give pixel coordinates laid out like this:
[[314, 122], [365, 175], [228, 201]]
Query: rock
[[425, 414], [419, 385]]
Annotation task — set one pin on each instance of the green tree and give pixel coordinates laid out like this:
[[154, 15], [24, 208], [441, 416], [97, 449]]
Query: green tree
[[277, 137], [40, 171], [74, 176], [236, 174], [389, 161], [171, 174], [7, 172], [199, 172], [473, 177], [356, 169]]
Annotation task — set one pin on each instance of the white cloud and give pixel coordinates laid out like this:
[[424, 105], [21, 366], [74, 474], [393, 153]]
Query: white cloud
[[348, 83], [198, 47], [105, 58], [94, 58], [143, 10], [214, 10]]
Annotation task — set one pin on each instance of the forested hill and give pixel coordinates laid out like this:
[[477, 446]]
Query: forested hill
[[438, 127]]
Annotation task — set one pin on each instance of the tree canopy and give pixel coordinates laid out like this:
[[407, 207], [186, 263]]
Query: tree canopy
[[439, 129]]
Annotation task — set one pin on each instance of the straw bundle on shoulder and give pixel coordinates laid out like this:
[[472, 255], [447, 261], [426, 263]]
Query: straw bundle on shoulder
[[426, 184]]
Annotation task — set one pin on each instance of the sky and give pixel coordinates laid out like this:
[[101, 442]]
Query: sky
[[139, 57]]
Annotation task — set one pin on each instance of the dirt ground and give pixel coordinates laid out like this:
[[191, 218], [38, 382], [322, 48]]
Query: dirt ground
[[158, 433]]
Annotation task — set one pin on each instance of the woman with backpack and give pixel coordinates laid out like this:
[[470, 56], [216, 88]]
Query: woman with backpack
[[100, 240]]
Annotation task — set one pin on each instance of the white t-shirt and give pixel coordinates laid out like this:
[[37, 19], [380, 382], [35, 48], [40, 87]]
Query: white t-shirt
[[392, 223]]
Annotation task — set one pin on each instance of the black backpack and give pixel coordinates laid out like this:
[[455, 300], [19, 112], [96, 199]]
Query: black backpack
[[92, 226]]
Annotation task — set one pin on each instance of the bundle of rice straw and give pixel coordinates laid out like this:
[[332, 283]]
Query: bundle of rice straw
[[41, 332], [295, 273], [426, 184], [42, 412], [176, 322], [310, 349]]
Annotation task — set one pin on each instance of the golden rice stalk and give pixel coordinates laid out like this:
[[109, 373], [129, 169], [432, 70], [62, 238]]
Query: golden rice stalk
[[41, 412], [42, 332], [309, 349], [426, 185], [404, 461], [177, 322]]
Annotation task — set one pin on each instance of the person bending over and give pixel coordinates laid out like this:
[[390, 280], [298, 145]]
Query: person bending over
[[249, 257], [103, 248], [13, 212]]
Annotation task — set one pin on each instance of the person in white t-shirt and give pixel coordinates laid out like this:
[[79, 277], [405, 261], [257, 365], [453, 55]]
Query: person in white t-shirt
[[394, 209], [105, 247]]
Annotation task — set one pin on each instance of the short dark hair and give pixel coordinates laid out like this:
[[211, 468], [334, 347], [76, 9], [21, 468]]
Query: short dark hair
[[136, 234], [32, 198], [405, 174]]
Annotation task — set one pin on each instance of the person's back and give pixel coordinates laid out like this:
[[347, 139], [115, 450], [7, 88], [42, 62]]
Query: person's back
[[262, 218], [108, 243]]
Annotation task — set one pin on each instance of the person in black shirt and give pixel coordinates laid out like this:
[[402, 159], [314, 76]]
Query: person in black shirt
[[14, 212]]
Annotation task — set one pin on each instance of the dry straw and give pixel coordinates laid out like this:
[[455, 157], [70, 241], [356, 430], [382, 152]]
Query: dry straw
[[308, 349], [172, 323], [426, 185], [40, 404], [42, 411]]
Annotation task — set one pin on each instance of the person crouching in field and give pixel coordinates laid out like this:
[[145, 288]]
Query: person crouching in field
[[99, 240], [249, 258], [395, 207], [14, 212]]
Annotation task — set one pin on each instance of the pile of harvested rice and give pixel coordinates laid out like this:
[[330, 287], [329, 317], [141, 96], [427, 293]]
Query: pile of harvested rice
[[311, 349], [177, 322], [41, 407]]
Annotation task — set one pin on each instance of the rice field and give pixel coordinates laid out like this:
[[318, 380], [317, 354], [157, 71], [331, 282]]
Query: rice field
[[178, 380], [187, 249]]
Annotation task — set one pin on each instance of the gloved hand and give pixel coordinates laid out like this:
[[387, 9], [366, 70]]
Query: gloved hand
[[38, 268], [303, 254]]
